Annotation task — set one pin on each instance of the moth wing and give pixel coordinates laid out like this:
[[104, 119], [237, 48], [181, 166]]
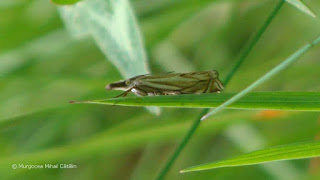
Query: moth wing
[[206, 75], [196, 82], [200, 87]]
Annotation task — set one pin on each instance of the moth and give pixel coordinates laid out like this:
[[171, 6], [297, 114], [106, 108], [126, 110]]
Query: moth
[[170, 84]]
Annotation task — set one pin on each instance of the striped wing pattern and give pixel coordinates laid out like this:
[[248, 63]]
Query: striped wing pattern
[[175, 83]]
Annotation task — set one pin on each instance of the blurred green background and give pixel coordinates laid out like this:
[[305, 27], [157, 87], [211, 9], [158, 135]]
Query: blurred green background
[[42, 68]]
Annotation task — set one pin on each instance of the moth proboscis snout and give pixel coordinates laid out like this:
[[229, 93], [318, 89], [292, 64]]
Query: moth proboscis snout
[[120, 85]]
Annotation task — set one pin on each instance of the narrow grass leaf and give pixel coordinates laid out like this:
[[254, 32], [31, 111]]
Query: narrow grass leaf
[[298, 4], [295, 56], [307, 101], [277, 153], [65, 2]]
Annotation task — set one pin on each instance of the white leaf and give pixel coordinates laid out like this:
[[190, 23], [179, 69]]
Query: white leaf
[[113, 26]]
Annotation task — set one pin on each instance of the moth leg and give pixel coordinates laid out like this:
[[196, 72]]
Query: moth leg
[[139, 92], [123, 94], [172, 93], [157, 93], [153, 93]]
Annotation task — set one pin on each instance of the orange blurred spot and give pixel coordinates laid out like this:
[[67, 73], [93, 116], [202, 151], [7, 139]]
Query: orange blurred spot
[[314, 166], [269, 114]]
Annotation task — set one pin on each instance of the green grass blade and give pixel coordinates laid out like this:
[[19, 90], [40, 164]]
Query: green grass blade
[[291, 59], [277, 153], [65, 2], [298, 4], [308, 101]]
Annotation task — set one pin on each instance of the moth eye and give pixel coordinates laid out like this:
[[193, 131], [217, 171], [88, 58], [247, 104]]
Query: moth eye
[[215, 73], [127, 82]]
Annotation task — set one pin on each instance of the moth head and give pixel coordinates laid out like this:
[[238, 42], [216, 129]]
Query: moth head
[[218, 84], [215, 73], [123, 85]]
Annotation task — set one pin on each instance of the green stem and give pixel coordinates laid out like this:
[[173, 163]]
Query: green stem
[[253, 41], [239, 61], [182, 144]]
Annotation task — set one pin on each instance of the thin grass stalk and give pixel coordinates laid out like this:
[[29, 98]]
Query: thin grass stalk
[[248, 48]]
